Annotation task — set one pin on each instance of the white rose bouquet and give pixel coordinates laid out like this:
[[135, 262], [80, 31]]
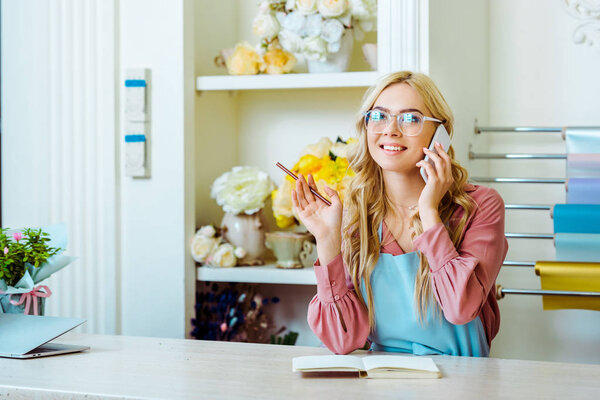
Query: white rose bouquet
[[242, 190], [209, 247], [313, 28]]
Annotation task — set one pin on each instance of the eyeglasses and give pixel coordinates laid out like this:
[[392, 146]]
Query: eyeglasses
[[409, 123]]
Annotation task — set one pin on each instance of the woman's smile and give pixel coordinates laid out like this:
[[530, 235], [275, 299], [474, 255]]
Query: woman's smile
[[392, 149]]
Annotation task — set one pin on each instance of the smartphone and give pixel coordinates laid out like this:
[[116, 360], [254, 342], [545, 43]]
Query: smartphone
[[441, 136]]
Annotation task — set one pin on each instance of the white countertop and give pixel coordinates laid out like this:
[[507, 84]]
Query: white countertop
[[154, 368]]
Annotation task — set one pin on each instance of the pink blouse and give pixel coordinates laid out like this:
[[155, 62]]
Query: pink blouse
[[463, 280]]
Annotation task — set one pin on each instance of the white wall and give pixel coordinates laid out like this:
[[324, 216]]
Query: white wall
[[538, 77], [156, 218]]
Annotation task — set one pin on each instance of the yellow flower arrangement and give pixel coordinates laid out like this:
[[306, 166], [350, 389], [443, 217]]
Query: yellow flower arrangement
[[278, 61], [328, 164], [244, 59]]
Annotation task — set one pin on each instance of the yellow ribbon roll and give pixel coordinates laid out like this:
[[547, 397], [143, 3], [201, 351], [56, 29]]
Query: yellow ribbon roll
[[572, 276]]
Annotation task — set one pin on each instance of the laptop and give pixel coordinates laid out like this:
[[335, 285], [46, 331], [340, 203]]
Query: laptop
[[27, 336]]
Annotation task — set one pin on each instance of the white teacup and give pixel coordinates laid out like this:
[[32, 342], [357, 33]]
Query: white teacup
[[287, 247]]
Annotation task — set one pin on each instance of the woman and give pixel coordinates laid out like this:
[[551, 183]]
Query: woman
[[418, 261]]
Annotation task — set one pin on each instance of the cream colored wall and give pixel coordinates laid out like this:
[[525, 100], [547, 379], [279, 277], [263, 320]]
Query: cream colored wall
[[539, 77]]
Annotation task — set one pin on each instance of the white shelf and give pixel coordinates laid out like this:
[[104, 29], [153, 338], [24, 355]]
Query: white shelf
[[286, 81], [264, 274]]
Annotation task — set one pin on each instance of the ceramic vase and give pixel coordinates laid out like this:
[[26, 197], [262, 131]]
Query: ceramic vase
[[248, 232], [335, 62]]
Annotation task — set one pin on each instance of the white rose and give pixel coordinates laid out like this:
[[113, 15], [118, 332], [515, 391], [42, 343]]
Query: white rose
[[313, 25], [363, 9], [240, 252], [332, 8], [207, 230], [290, 41], [202, 246], [265, 26], [332, 30], [290, 4], [307, 7], [294, 22], [224, 256], [315, 48]]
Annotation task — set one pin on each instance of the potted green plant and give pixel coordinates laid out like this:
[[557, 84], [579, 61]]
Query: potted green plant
[[27, 257]]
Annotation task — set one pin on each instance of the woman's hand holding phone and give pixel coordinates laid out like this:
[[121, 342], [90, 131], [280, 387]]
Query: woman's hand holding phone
[[439, 181], [323, 221]]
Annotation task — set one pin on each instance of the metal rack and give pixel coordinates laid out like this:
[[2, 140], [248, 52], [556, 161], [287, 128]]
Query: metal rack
[[501, 291]]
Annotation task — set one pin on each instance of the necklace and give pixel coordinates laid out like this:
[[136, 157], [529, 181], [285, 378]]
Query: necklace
[[410, 207]]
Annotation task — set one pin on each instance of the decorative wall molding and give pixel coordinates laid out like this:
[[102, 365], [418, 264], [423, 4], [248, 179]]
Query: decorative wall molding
[[82, 157], [587, 12], [401, 30]]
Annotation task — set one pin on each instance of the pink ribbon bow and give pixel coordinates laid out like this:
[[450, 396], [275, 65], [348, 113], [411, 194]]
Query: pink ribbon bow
[[31, 296]]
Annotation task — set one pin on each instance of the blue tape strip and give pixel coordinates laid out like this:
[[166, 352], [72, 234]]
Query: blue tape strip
[[135, 83], [135, 138]]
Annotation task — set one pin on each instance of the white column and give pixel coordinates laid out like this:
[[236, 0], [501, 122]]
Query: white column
[[58, 143]]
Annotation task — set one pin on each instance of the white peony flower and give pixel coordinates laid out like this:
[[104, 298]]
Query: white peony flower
[[290, 4], [332, 30], [207, 230], [294, 22], [224, 256], [265, 26], [202, 246], [239, 252], [313, 25], [306, 7], [363, 9], [346, 19], [242, 190], [264, 7], [332, 8], [315, 48], [290, 41]]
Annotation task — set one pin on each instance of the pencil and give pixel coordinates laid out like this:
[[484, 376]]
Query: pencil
[[290, 173]]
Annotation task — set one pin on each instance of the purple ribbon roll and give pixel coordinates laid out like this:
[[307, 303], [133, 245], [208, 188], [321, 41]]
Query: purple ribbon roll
[[582, 165], [583, 191]]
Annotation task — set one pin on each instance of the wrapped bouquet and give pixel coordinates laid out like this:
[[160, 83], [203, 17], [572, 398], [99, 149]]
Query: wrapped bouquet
[[27, 257]]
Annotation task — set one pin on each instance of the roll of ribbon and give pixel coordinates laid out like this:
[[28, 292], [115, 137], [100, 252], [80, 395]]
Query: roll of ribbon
[[583, 139], [583, 191], [573, 276], [577, 247], [576, 218], [580, 165]]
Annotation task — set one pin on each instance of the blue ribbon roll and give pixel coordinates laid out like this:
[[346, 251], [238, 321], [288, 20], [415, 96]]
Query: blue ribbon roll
[[577, 247], [576, 218], [583, 139], [583, 191]]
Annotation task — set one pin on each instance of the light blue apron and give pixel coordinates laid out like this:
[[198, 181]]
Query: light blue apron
[[397, 327]]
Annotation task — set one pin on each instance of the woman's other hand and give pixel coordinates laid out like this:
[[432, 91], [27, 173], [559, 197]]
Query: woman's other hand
[[323, 221]]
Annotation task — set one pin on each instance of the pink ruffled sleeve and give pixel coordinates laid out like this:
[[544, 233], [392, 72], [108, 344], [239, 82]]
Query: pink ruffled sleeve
[[335, 314], [462, 278]]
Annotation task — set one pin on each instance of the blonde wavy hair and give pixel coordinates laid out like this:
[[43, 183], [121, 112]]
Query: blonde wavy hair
[[365, 206]]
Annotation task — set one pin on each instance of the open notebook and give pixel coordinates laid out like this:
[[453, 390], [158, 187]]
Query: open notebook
[[384, 366]]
